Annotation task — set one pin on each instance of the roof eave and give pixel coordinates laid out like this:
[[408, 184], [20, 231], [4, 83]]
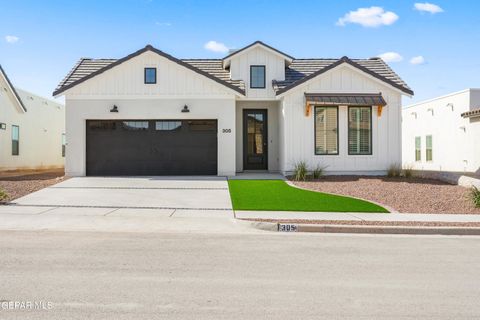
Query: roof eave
[[63, 89], [228, 58], [12, 88]]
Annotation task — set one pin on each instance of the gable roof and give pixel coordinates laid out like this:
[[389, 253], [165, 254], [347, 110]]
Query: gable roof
[[302, 70], [297, 72], [88, 68], [258, 43], [17, 98]]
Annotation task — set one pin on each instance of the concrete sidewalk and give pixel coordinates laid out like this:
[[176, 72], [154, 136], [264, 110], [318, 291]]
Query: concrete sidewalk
[[14, 217], [393, 217]]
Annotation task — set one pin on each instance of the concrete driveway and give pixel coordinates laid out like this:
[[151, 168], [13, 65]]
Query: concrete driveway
[[160, 193]]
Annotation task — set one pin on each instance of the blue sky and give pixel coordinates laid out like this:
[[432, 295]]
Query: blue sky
[[41, 40]]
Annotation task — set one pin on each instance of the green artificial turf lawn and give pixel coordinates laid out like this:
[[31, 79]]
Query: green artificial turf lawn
[[276, 195]]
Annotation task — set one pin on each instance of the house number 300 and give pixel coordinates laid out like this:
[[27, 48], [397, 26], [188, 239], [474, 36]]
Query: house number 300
[[226, 130]]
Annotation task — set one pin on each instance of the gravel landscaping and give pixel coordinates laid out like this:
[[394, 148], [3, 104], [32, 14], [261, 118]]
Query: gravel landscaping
[[412, 195], [20, 183]]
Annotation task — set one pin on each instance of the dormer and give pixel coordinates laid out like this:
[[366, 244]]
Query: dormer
[[257, 65]]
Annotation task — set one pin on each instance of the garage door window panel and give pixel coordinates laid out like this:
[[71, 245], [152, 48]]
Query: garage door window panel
[[168, 125], [203, 125], [135, 125]]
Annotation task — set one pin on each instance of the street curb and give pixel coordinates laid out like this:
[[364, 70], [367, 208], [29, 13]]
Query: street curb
[[362, 229]]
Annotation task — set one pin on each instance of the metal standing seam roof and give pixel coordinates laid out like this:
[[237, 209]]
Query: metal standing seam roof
[[350, 99], [297, 72]]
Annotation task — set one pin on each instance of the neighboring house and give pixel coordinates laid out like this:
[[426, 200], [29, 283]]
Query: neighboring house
[[442, 134], [32, 129], [256, 109]]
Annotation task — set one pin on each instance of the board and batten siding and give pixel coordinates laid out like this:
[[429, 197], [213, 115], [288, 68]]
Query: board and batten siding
[[124, 87], [127, 79], [298, 129], [274, 70], [455, 139]]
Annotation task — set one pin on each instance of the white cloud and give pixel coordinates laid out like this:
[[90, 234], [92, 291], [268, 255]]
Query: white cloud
[[163, 24], [391, 57], [11, 39], [369, 17], [417, 60], [427, 7], [216, 46]]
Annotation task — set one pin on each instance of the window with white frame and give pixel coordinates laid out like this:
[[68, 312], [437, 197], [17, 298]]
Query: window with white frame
[[15, 140], [418, 149], [429, 148]]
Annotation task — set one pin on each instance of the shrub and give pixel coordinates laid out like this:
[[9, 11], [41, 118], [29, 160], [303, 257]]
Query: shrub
[[3, 195], [318, 172], [408, 172], [475, 196], [300, 171], [394, 171]]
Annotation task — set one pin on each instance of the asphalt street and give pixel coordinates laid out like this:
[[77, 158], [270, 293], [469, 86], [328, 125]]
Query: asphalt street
[[99, 275]]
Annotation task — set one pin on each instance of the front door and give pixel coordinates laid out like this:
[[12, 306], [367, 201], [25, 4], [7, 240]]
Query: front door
[[255, 139]]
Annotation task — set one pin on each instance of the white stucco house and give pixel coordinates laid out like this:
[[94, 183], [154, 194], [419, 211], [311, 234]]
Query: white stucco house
[[258, 108], [32, 129], [442, 134]]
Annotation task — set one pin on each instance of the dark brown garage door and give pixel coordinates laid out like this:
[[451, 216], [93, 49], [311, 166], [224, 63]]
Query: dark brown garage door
[[151, 147]]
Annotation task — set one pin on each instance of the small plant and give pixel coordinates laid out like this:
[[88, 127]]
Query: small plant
[[408, 172], [394, 171], [300, 171], [3, 195], [318, 172], [475, 196]]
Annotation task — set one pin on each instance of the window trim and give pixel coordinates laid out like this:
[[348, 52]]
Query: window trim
[[18, 140], [145, 75], [264, 75], [371, 131], [315, 132]]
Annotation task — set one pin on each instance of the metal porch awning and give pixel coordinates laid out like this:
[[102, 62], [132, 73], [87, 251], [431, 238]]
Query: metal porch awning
[[345, 99], [472, 113]]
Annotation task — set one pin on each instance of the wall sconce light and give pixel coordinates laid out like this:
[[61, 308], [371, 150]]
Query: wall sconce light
[[450, 105], [185, 109], [430, 110], [463, 128], [414, 114], [114, 109], [3, 126]]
